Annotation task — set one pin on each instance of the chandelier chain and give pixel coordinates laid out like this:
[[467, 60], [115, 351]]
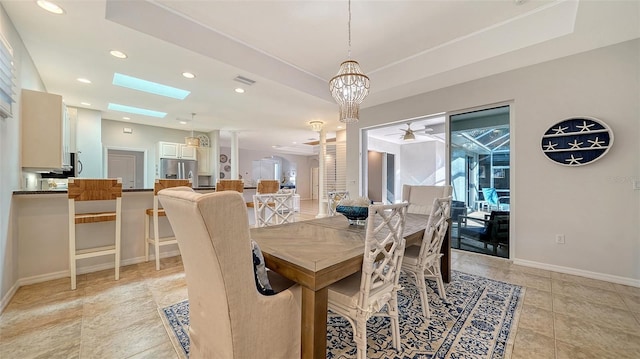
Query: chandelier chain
[[349, 29]]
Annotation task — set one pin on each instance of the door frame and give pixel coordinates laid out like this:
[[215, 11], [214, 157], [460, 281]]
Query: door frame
[[145, 162]]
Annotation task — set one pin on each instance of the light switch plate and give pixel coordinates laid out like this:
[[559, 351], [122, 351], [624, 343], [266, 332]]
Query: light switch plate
[[636, 185]]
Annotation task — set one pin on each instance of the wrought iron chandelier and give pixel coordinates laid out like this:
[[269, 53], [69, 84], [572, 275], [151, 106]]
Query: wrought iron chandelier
[[350, 86]]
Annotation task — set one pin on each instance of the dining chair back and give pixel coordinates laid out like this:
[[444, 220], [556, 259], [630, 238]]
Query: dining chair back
[[334, 198], [265, 186], [273, 208], [366, 293], [421, 198], [228, 317], [109, 193], [152, 218], [423, 261]]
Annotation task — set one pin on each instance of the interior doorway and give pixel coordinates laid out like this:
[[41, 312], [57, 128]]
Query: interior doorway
[[480, 156], [412, 152], [128, 165]]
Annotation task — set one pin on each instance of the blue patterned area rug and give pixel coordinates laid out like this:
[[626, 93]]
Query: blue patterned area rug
[[477, 321]]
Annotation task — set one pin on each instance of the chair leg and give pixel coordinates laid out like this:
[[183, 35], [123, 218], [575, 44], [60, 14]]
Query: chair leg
[[72, 252], [392, 308], [146, 237], [422, 289], [118, 235], [156, 240], [360, 335]]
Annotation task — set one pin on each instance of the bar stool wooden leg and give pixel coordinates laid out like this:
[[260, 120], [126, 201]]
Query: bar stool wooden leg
[[156, 239], [72, 246], [146, 237], [118, 235]]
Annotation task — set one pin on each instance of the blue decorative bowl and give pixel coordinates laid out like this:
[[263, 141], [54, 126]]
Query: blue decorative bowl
[[353, 213]]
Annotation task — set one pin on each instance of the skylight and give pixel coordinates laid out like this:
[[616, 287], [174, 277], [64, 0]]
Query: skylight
[[148, 86], [136, 110]]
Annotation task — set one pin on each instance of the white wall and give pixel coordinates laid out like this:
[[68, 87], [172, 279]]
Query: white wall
[[595, 205], [10, 168]]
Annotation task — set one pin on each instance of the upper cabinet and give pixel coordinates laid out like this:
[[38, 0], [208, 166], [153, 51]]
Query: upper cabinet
[[176, 150], [45, 131]]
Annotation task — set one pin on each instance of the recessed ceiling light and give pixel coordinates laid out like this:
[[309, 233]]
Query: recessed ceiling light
[[148, 86], [118, 54], [189, 75], [50, 7], [136, 110], [294, 142], [340, 127], [183, 122], [85, 103], [126, 118], [84, 81], [239, 90]]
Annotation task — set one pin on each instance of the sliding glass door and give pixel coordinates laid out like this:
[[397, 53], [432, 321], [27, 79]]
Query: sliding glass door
[[480, 175]]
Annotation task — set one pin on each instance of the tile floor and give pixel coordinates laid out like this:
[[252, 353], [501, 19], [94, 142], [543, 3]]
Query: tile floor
[[563, 316]]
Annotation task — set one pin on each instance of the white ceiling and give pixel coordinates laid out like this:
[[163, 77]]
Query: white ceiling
[[292, 48]]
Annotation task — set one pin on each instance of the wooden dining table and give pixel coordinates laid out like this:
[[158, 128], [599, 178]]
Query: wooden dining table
[[319, 252]]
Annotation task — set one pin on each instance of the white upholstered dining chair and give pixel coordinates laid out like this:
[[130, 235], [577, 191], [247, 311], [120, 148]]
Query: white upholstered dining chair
[[421, 198], [366, 293], [423, 261], [228, 317]]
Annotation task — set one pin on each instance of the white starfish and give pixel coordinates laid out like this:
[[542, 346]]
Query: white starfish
[[575, 144], [559, 130], [573, 160], [596, 142], [584, 127], [550, 146]]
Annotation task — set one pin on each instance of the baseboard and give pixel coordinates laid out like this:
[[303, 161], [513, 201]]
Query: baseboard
[[81, 270], [7, 298], [579, 272]]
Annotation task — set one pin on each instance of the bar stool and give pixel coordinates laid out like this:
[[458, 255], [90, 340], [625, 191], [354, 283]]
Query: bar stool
[[154, 214], [80, 190], [230, 185]]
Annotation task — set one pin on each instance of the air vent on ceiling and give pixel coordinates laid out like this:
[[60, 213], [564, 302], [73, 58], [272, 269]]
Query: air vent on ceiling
[[244, 80]]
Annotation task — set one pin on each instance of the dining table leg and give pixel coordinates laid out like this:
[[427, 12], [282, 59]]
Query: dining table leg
[[314, 323]]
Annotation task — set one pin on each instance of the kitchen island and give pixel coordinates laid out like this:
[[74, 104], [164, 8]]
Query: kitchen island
[[41, 227]]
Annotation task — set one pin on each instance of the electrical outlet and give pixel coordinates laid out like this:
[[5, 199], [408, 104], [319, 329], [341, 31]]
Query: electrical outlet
[[559, 238]]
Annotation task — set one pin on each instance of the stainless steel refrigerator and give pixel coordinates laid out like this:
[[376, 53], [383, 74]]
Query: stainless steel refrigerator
[[179, 169]]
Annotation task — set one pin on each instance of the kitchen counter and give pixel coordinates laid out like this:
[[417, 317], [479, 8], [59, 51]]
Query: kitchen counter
[[128, 190], [42, 232]]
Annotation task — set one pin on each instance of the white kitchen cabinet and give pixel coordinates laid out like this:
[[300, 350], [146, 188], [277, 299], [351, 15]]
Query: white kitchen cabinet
[[45, 131], [176, 150], [204, 161]]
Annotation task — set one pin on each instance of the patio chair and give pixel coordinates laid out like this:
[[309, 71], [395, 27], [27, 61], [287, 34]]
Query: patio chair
[[493, 229]]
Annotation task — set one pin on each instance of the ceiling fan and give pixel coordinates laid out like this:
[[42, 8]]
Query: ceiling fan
[[409, 134]]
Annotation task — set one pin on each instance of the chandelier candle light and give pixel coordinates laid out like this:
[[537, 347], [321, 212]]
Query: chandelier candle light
[[350, 86], [192, 141]]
